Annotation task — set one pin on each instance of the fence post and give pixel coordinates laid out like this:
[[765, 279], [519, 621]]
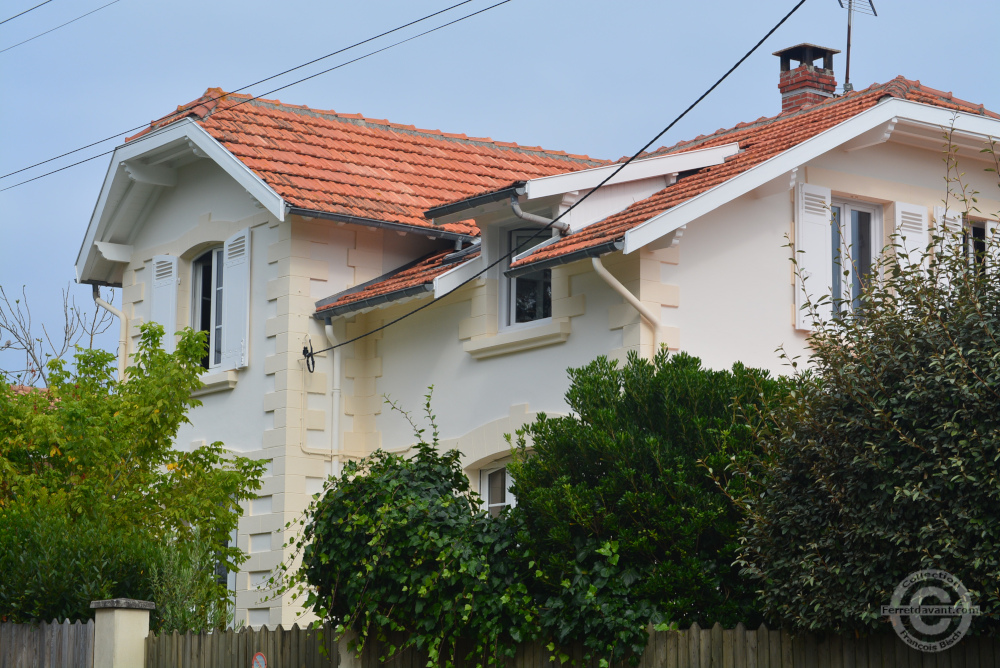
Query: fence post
[[120, 629]]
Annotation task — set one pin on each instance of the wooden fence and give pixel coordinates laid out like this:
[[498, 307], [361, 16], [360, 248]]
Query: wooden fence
[[52, 645], [692, 648], [236, 649]]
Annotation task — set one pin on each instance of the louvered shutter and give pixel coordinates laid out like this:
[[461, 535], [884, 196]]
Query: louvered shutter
[[236, 301], [814, 252], [911, 228], [163, 298], [949, 226]]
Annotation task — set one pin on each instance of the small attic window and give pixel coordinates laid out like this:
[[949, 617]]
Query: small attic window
[[529, 295]]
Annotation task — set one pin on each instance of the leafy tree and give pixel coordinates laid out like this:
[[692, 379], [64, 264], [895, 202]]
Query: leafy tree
[[886, 457], [92, 491], [399, 549], [621, 516]]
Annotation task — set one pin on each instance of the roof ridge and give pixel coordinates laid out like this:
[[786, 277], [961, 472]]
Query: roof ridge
[[218, 98]]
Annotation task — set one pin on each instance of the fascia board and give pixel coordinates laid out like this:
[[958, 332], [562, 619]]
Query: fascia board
[[640, 169], [698, 206], [451, 279], [212, 149]]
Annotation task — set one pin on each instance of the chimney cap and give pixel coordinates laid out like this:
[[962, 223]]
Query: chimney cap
[[800, 52], [807, 54]]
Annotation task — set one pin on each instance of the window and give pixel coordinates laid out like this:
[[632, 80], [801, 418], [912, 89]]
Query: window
[[855, 235], [219, 297], [207, 307], [529, 296], [494, 485]]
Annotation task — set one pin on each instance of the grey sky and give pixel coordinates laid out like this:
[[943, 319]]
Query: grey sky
[[589, 76]]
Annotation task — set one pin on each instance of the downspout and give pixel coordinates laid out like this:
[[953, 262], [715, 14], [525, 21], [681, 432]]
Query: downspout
[[643, 310], [334, 394], [122, 337], [532, 218]]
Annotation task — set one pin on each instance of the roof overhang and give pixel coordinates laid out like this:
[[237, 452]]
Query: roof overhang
[[139, 172], [432, 232], [883, 121], [583, 180]]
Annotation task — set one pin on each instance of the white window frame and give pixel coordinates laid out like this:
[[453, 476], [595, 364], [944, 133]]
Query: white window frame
[[847, 242], [484, 489], [507, 286], [215, 309]]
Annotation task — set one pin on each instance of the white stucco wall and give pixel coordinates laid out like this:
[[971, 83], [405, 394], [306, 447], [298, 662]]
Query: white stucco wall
[[736, 286], [469, 392]]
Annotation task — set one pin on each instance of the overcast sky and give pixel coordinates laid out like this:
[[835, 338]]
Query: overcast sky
[[599, 77]]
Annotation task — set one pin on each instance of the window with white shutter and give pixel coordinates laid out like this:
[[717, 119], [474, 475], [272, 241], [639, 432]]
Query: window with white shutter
[[207, 299], [856, 240], [913, 235], [813, 252], [163, 298], [236, 304]]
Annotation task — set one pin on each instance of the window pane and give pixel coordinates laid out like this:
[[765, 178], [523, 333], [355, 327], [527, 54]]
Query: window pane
[[861, 224], [533, 296], [979, 246], [498, 487]]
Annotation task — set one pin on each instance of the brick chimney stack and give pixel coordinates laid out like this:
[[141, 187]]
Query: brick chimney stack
[[807, 84]]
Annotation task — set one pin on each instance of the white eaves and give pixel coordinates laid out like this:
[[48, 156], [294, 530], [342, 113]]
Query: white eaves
[[634, 171]]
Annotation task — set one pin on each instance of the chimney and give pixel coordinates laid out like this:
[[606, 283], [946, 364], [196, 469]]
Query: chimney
[[807, 84]]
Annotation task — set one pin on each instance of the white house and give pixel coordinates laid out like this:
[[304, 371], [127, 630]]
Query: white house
[[275, 227]]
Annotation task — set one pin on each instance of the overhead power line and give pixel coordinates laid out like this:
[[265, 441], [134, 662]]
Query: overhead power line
[[309, 355], [58, 26], [235, 90], [275, 90], [25, 12]]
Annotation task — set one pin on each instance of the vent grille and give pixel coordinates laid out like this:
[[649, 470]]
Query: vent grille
[[237, 249], [163, 270], [815, 204], [910, 222]]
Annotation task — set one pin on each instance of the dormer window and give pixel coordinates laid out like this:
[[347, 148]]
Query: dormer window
[[207, 296], [529, 296]]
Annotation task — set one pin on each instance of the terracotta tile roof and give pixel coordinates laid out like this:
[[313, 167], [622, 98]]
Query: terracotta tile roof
[[370, 168], [759, 140], [420, 273]]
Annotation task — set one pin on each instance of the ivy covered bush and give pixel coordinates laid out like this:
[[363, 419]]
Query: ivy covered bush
[[618, 505], [886, 457]]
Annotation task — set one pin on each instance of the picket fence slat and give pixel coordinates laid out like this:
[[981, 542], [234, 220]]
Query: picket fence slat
[[59, 644], [47, 645]]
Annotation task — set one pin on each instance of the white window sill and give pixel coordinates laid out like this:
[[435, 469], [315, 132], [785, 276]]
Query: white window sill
[[516, 340], [219, 381]]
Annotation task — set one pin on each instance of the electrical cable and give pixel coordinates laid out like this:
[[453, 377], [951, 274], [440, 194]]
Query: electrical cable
[[25, 12], [236, 90], [59, 26], [308, 354], [270, 92]]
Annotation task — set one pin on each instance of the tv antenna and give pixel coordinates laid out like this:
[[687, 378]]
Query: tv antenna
[[862, 7]]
